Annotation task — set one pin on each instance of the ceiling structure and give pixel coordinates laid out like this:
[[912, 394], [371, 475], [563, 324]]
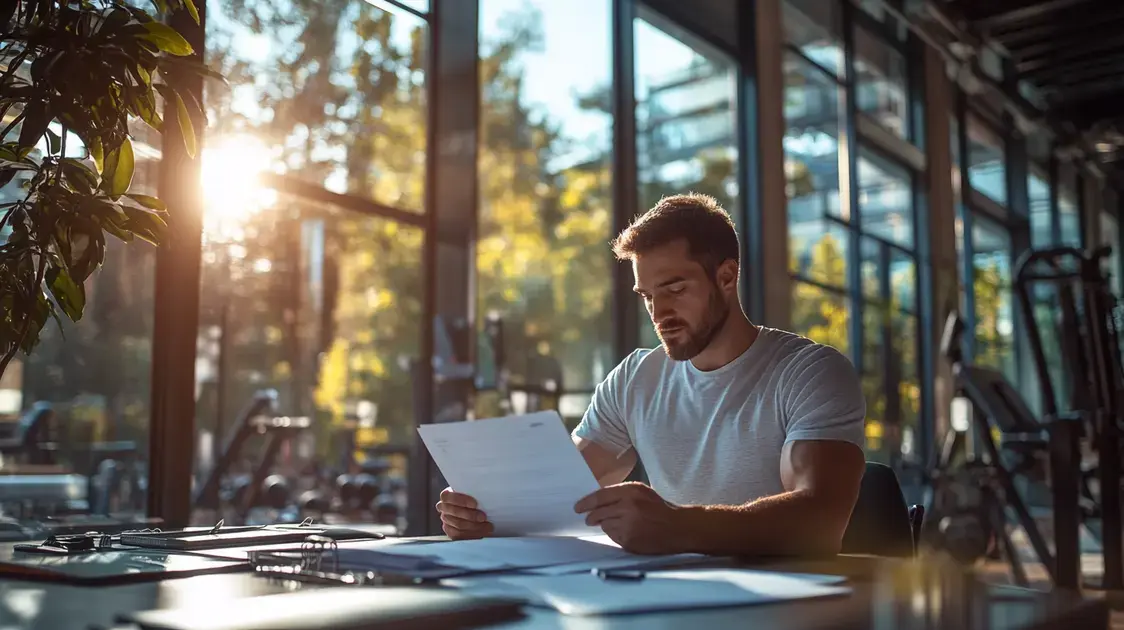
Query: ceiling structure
[[1070, 51]]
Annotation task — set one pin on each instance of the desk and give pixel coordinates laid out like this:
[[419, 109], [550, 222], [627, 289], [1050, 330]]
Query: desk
[[888, 595]]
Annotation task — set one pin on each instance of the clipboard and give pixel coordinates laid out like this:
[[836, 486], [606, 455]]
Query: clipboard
[[239, 536]]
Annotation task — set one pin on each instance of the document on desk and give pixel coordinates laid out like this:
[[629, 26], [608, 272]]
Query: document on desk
[[586, 594], [524, 471]]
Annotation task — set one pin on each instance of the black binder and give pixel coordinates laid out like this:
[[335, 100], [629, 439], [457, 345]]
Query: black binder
[[339, 608]]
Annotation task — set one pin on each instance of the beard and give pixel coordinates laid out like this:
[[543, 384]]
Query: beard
[[695, 339]]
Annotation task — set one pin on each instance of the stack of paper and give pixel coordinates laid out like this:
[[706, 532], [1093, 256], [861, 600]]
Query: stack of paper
[[587, 594], [555, 554]]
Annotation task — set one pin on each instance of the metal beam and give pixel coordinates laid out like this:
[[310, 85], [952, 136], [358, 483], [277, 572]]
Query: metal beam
[[1072, 72], [1017, 38], [171, 438], [626, 203], [993, 14], [1058, 51], [453, 97], [1084, 112]]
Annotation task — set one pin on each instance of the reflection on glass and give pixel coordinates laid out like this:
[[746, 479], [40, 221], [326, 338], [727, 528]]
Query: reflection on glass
[[987, 161], [685, 120], [815, 28], [1069, 220], [885, 199], [820, 314], [542, 259], [335, 91], [94, 375], [1038, 191], [881, 83], [889, 271], [992, 288], [811, 148], [323, 307]]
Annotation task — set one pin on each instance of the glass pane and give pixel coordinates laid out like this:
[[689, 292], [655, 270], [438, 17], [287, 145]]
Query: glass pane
[[818, 251], [992, 288], [821, 315], [1038, 191], [885, 199], [420, 5], [889, 273], [685, 120], [987, 161], [815, 28], [881, 83], [811, 143], [324, 308], [904, 327], [1069, 222], [333, 93], [545, 219], [94, 375]]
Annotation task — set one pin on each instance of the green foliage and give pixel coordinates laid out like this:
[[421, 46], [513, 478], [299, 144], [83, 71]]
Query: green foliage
[[75, 73]]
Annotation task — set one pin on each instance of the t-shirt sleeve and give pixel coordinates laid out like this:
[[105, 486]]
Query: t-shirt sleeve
[[825, 399], [605, 421]]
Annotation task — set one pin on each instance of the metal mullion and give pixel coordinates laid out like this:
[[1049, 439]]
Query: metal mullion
[[749, 167], [841, 292], [854, 268], [626, 324]]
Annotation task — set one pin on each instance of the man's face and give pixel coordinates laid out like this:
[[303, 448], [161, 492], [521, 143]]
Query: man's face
[[687, 307]]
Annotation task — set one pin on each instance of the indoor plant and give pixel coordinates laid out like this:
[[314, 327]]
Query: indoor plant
[[74, 72]]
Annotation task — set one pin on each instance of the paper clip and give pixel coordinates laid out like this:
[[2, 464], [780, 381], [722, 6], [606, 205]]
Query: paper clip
[[617, 575]]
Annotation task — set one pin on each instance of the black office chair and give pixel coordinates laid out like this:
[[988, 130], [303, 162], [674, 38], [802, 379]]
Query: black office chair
[[881, 523]]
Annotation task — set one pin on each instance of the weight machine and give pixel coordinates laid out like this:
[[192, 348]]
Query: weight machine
[[1088, 342]]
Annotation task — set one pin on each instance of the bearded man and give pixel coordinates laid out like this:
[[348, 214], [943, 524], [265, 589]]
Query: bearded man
[[751, 437]]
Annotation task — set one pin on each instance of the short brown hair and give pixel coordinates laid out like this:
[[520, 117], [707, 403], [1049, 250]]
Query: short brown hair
[[710, 233]]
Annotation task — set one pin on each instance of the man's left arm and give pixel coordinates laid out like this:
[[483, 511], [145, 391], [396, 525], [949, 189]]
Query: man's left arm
[[822, 464]]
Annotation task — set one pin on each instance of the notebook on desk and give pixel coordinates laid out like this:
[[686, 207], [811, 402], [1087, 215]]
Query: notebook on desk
[[339, 608]]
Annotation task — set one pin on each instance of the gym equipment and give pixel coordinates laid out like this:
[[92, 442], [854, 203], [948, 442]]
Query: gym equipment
[[257, 419], [1091, 357], [966, 511]]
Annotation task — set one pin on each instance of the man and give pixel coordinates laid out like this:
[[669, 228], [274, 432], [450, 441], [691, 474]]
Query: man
[[751, 437]]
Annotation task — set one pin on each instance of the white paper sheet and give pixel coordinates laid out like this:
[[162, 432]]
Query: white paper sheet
[[490, 554], [524, 472], [586, 594]]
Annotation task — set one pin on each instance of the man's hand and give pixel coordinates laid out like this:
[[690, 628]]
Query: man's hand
[[634, 517], [460, 518]]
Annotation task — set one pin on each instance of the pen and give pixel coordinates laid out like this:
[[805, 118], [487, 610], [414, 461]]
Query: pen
[[623, 576]]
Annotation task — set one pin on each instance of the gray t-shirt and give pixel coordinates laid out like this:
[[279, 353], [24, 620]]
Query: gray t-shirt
[[715, 438]]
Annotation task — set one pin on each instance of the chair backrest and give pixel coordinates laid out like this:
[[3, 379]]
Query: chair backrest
[[880, 523]]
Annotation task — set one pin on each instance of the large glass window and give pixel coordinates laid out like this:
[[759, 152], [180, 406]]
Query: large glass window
[[1110, 237], [686, 107], [94, 375], [1038, 191], [819, 240], [309, 300], [545, 218], [987, 161], [334, 93], [881, 83]]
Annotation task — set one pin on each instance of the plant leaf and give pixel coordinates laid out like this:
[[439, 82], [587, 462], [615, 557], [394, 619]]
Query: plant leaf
[[54, 142], [34, 124], [70, 295], [187, 130], [117, 182], [97, 154], [145, 224], [147, 201], [166, 39], [79, 176], [192, 10]]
